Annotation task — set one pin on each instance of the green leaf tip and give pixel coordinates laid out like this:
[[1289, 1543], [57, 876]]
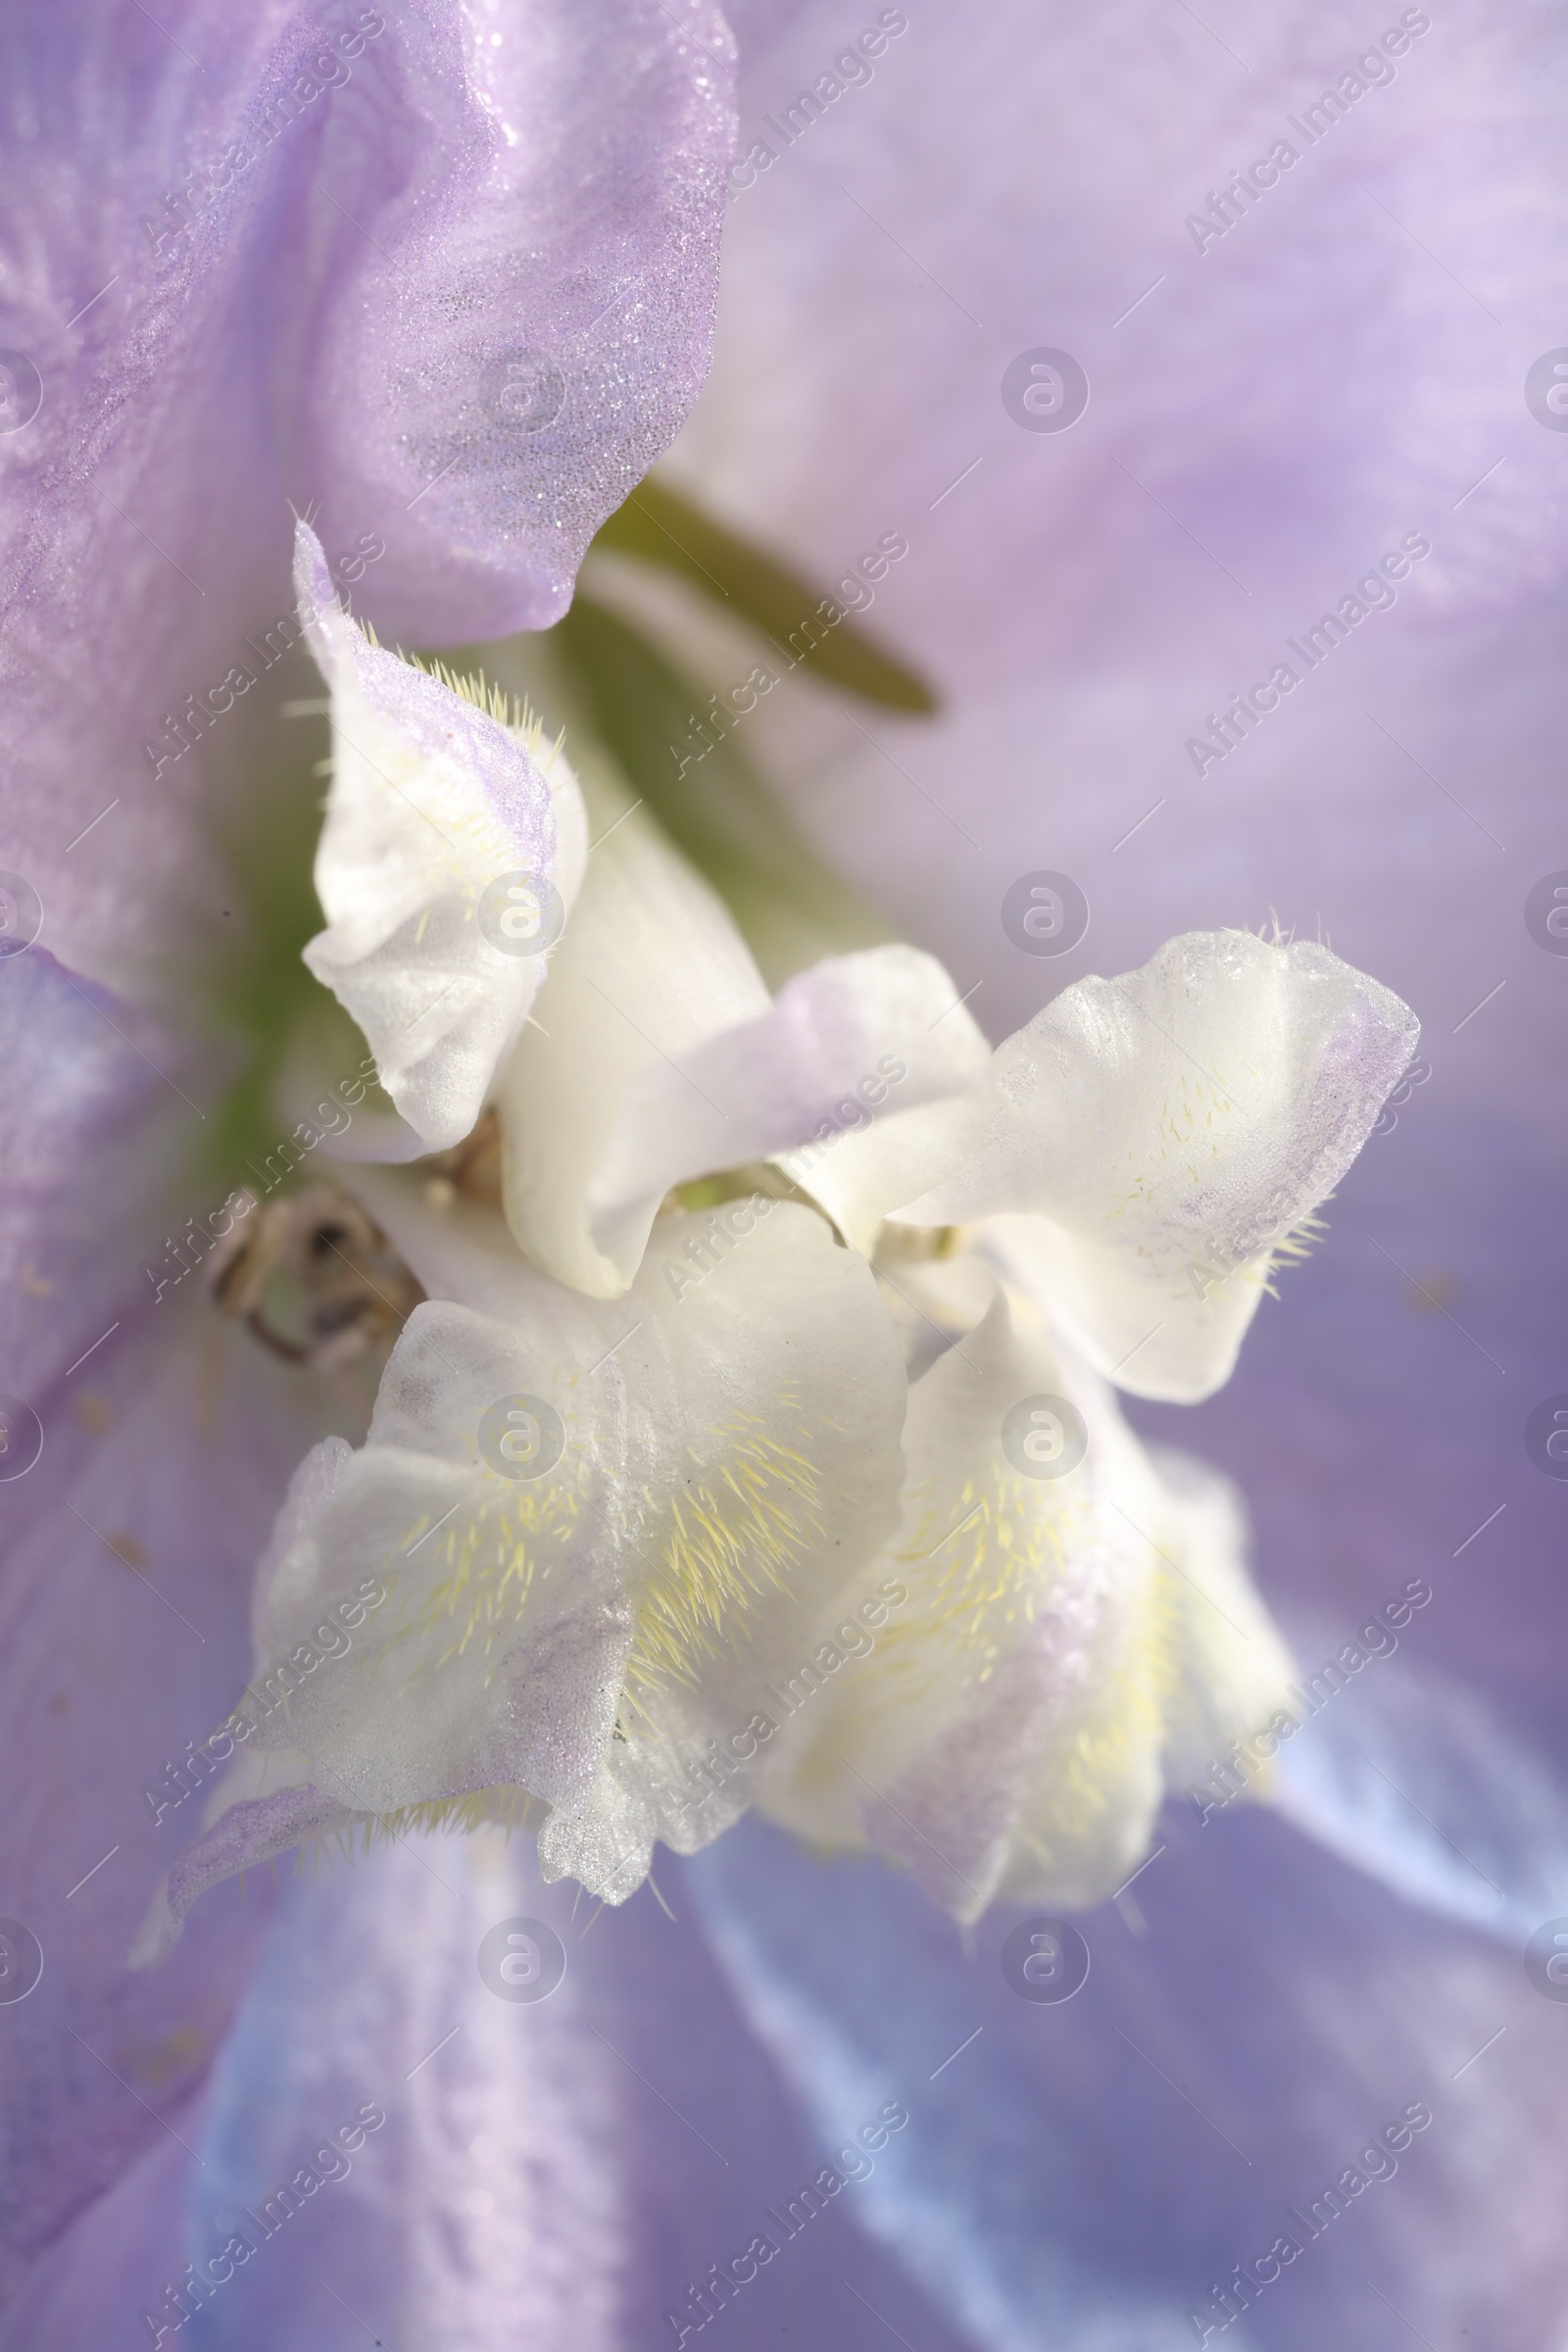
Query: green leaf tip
[[659, 525]]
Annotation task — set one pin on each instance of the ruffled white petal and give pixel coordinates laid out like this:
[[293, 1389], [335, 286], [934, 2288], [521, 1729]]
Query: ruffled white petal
[[717, 1453], [452, 850], [1166, 1131], [1045, 1649], [864, 1073], [659, 1057]]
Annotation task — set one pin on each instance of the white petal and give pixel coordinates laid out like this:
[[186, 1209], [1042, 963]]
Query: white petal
[[1168, 1129], [657, 1056], [865, 1076], [933, 1299], [651, 967], [437, 811], [1229, 1666], [592, 1636], [1032, 1644]]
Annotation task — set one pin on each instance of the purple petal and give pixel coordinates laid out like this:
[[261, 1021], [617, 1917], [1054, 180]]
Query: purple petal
[[315, 262], [128, 1549], [557, 2172], [1415, 1780], [534, 320], [94, 2281], [1377, 1423], [1273, 409], [1082, 2173], [97, 1124], [1275, 393], [256, 1830]]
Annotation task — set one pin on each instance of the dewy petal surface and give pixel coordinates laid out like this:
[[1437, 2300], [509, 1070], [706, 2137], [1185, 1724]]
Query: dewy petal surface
[[449, 278], [526, 369], [436, 807], [595, 1632], [1168, 1129], [1063, 1644]]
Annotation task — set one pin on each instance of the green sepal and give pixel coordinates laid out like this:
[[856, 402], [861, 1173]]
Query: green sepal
[[657, 525], [790, 906]]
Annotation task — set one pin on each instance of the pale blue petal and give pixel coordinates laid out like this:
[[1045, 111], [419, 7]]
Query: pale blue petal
[[1082, 2174], [554, 2174]]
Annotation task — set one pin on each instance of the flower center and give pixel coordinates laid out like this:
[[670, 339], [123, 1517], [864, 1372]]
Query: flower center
[[315, 1279]]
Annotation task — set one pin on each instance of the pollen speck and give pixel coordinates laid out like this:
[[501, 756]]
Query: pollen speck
[[92, 1411]]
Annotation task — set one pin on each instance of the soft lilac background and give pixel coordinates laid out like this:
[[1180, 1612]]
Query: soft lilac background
[[1268, 421]]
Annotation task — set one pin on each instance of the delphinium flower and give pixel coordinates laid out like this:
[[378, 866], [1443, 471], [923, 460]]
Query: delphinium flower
[[695, 1351], [618, 1487]]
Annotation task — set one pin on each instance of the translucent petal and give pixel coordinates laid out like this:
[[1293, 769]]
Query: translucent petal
[[1426, 1786], [452, 850], [789, 899], [1243, 2036], [831, 1081], [91, 1087], [657, 1056], [564, 2168], [1168, 1129], [1057, 1630], [717, 1454], [129, 1547]]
